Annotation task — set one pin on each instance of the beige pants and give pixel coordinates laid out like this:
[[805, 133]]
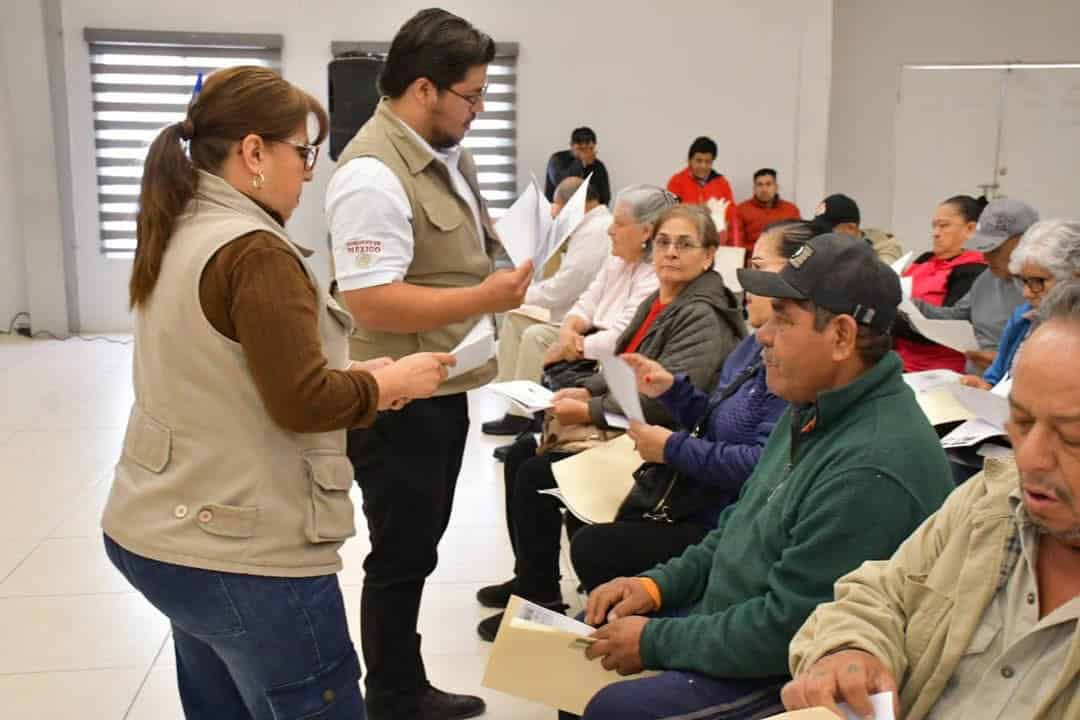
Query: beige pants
[[522, 344]]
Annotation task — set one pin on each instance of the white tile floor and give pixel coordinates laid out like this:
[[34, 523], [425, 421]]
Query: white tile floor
[[77, 642]]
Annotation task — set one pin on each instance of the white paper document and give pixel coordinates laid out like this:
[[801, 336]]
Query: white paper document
[[538, 615], [882, 702], [990, 410], [906, 285], [526, 394], [727, 263], [956, 334], [928, 380], [616, 421], [622, 384], [475, 350], [902, 263], [883, 708], [528, 231]]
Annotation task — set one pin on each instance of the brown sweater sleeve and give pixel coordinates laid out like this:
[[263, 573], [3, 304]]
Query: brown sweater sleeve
[[255, 291]]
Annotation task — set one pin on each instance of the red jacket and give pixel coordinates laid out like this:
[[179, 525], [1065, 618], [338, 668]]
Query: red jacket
[[691, 192], [930, 282], [755, 216]]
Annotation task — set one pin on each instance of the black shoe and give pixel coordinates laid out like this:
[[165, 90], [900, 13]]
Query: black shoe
[[502, 452], [489, 627], [436, 704], [495, 596], [508, 425]]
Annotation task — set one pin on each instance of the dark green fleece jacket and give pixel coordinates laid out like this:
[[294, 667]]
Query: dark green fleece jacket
[[839, 482]]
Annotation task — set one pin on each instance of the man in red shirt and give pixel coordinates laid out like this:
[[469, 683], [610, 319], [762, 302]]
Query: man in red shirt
[[764, 208], [698, 183]]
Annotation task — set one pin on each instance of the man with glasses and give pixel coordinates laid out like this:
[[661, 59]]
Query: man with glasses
[[413, 246]]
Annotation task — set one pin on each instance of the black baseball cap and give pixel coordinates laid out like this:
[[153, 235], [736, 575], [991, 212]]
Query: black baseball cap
[[836, 210], [839, 273]]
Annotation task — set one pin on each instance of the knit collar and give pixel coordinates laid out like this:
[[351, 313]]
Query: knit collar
[[832, 405]]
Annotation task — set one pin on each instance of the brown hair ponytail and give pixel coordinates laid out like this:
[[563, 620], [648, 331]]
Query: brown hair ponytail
[[168, 183], [234, 102]]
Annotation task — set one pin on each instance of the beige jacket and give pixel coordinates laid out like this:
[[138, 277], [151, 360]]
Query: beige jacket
[[206, 478], [446, 252], [918, 611]]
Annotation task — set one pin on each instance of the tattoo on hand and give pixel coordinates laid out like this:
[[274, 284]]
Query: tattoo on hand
[[853, 668]]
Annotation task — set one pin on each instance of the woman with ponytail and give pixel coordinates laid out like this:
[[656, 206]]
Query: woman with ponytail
[[231, 497]]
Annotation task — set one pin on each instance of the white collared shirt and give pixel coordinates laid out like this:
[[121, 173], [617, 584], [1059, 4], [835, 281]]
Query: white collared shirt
[[370, 219]]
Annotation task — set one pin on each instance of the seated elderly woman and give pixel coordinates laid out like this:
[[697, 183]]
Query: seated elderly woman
[[1048, 253], [709, 458], [689, 325], [593, 325], [941, 277]]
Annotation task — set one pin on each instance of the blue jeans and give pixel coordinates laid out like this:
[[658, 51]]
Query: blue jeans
[[677, 695], [251, 647]]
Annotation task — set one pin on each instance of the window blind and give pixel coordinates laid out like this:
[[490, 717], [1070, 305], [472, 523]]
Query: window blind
[[142, 81]]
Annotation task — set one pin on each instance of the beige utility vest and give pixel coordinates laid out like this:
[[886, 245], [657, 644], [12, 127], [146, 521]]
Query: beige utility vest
[[206, 478], [447, 252]]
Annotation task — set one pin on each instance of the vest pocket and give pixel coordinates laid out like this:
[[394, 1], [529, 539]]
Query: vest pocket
[[147, 443], [443, 214], [330, 518], [228, 520]]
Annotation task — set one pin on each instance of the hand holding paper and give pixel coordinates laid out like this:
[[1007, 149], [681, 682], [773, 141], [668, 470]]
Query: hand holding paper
[[855, 676], [651, 377], [475, 349], [956, 334]]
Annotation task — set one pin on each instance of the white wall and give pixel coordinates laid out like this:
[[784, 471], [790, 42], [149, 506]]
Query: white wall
[[648, 77], [12, 256], [30, 213], [872, 39]]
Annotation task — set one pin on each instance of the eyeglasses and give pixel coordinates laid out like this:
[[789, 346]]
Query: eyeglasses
[[1033, 283], [310, 153], [473, 100], [664, 243]]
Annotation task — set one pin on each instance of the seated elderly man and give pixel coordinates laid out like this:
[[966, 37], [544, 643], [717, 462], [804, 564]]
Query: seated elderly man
[[976, 615], [851, 469]]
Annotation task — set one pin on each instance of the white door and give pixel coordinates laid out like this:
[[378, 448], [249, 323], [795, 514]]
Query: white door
[[1040, 153]]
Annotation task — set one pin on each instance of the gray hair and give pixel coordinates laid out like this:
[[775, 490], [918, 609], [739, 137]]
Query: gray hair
[[1061, 303], [646, 202], [1051, 244], [566, 189]]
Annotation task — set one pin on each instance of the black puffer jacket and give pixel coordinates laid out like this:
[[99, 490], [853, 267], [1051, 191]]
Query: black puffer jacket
[[692, 335]]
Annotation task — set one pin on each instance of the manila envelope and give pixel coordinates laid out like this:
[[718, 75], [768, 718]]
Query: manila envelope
[[546, 665]]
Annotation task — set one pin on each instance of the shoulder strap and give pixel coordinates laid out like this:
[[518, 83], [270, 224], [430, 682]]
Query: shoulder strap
[[733, 387]]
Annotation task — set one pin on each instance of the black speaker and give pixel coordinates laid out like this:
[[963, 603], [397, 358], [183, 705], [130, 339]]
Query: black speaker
[[353, 96]]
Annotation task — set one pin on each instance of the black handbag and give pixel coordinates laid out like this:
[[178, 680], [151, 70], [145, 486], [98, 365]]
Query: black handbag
[[660, 493], [568, 374]]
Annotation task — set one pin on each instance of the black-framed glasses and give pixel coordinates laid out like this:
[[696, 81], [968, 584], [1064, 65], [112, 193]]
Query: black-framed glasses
[[1033, 283], [473, 100], [681, 244], [309, 153]]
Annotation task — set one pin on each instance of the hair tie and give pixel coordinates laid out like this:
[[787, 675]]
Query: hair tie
[[186, 128]]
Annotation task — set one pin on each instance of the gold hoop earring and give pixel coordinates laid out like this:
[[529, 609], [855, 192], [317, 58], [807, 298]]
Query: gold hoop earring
[[257, 180]]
